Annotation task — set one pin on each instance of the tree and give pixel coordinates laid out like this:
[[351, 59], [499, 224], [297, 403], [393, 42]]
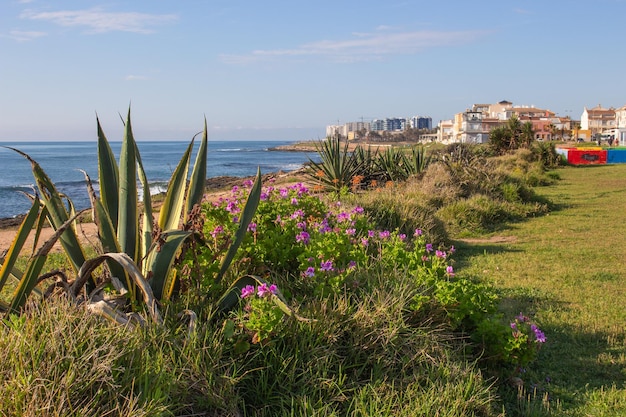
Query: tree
[[514, 129], [528, 134], [499, 139]]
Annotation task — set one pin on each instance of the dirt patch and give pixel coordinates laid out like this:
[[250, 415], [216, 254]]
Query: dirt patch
[[492, 239]]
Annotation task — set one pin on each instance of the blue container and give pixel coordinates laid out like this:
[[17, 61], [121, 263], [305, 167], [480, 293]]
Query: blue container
[[616, 156]]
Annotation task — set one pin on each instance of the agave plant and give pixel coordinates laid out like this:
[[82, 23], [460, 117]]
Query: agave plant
[[117, 218], [139, 252], [337, 167]]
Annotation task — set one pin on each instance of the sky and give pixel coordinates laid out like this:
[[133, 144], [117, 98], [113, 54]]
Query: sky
[[283, 70]]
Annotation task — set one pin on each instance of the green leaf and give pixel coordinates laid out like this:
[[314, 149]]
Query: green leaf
[[171, 210], [246, 217], [160, 260], [29, 280], [197, 180], [106, 234], [147, 218], [18, 243], [127, 224], [56, 212], [108, 176]]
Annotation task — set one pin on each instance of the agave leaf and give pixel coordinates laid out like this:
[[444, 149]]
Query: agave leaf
[[197, 180], [30, 278], [131, 269], [108, 175], [13, 253], [160, 260], [56, 212], [127, 223], [170, 214], [246, 217], [147, 218], [103, 309], [232, 296], [106, 234]]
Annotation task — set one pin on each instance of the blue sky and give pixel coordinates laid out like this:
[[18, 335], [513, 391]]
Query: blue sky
[[286, 69]]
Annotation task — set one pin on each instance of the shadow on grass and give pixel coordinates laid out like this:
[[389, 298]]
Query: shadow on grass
[[572, 363], [470, 248]]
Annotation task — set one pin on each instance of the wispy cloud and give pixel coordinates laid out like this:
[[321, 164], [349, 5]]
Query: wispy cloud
[[97, 20], [25, 36], [363, 46], [135, 77]]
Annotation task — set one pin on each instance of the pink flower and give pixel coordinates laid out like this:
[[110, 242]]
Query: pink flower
[[450, 271], [265, 291], [218, 230], [247, 291], [326, 266], [303, 237]]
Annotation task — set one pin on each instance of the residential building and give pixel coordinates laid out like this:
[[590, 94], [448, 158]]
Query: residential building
[[445, 131], [420, 122], [620, 125], [598, 119]]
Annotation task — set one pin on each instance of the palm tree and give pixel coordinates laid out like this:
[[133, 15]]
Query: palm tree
[[528, 134], [514, 128]]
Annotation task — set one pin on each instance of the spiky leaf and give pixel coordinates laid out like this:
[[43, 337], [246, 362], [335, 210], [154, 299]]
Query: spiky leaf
[[198, 176], [171, 210], [246, 217], [127, 224]]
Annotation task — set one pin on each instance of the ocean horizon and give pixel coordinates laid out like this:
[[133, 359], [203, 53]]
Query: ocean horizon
[[63, 160]]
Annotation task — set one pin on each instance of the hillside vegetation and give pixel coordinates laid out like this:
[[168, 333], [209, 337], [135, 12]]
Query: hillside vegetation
[[397, 283]]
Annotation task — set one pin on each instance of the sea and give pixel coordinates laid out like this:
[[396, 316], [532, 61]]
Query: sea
[[62, 161]]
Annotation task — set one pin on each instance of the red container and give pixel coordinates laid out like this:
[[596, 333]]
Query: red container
[[581, 156]]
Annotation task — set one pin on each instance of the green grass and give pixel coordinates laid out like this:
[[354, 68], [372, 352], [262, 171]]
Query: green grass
[[567, 270]]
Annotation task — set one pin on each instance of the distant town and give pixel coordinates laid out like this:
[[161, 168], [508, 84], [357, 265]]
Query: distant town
[[474, 125]]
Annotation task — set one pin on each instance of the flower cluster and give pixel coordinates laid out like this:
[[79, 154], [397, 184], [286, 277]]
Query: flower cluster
[[520, 325], [262, 291], [524, 341], [260, 316]]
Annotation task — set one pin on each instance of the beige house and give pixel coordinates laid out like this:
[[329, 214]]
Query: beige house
[[598, 119]]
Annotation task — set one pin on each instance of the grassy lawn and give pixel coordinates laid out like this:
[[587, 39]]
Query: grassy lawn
[[567, 270]]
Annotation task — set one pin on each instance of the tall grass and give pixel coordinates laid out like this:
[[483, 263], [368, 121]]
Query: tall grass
[[364, 358]]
